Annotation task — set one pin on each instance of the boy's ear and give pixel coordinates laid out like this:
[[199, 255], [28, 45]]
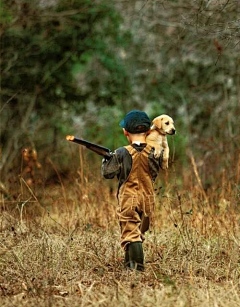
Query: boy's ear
[[125, 132]]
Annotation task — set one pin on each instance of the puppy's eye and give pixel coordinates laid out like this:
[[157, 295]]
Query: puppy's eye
[[167, 123]]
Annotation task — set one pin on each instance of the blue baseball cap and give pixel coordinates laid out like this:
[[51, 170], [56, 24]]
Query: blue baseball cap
[[136, 122]]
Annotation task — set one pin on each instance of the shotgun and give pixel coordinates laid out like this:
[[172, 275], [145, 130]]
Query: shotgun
[[102, 151]]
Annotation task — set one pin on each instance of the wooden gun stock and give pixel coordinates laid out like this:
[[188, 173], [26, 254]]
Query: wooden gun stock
[[144, 224], [102, 151]]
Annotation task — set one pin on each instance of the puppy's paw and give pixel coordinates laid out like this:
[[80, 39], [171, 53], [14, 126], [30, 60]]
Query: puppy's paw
[[157, 153], [164, 165]]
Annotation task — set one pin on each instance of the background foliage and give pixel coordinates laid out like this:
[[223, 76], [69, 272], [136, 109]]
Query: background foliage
[[78, 66]]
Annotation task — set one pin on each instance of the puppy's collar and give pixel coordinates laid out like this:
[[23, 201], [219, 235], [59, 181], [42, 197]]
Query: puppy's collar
[[157, 129]]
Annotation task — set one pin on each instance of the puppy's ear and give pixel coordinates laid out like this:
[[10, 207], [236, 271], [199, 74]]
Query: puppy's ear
[[157, 122]]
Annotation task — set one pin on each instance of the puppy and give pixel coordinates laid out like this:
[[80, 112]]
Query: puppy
[[162, 126]]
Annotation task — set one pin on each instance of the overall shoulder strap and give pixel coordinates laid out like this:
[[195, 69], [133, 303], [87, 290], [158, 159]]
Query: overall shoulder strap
[[130, 149], [147, 149]]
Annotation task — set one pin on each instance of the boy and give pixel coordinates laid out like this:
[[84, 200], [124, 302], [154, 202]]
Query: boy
[[136, 169]]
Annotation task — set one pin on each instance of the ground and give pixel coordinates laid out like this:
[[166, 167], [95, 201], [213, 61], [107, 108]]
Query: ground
[[65, 251]]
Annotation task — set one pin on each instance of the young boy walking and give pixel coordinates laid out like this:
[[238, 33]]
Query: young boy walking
[[136, 170]]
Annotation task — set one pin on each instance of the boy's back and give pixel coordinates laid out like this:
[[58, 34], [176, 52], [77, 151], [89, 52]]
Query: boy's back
[[121, 163]]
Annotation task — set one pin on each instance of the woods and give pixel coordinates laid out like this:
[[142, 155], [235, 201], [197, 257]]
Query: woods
[[62, 63]]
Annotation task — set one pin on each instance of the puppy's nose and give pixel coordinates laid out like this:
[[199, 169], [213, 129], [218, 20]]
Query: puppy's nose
[[173, 131]]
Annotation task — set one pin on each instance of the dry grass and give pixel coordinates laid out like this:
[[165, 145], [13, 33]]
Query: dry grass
[[61, 248]]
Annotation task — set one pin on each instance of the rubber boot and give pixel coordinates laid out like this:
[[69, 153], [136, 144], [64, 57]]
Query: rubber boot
[[136, 256], [126, 258]]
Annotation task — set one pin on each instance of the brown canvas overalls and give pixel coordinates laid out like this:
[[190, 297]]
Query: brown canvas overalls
[[136, 197]]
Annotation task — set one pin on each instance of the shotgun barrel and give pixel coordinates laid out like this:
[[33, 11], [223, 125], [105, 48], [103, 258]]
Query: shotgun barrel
[[101, 150]]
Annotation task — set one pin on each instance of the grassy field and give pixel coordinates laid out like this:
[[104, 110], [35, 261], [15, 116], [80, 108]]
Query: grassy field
[[60, 246]]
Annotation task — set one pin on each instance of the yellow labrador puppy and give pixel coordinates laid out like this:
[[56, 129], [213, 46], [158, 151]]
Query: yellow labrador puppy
[[162, 126]]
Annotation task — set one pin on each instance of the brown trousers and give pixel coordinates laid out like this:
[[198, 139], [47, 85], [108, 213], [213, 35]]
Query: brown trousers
[[136, 197]]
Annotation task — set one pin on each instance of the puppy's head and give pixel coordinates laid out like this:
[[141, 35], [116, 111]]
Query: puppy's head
[[164, 124]]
